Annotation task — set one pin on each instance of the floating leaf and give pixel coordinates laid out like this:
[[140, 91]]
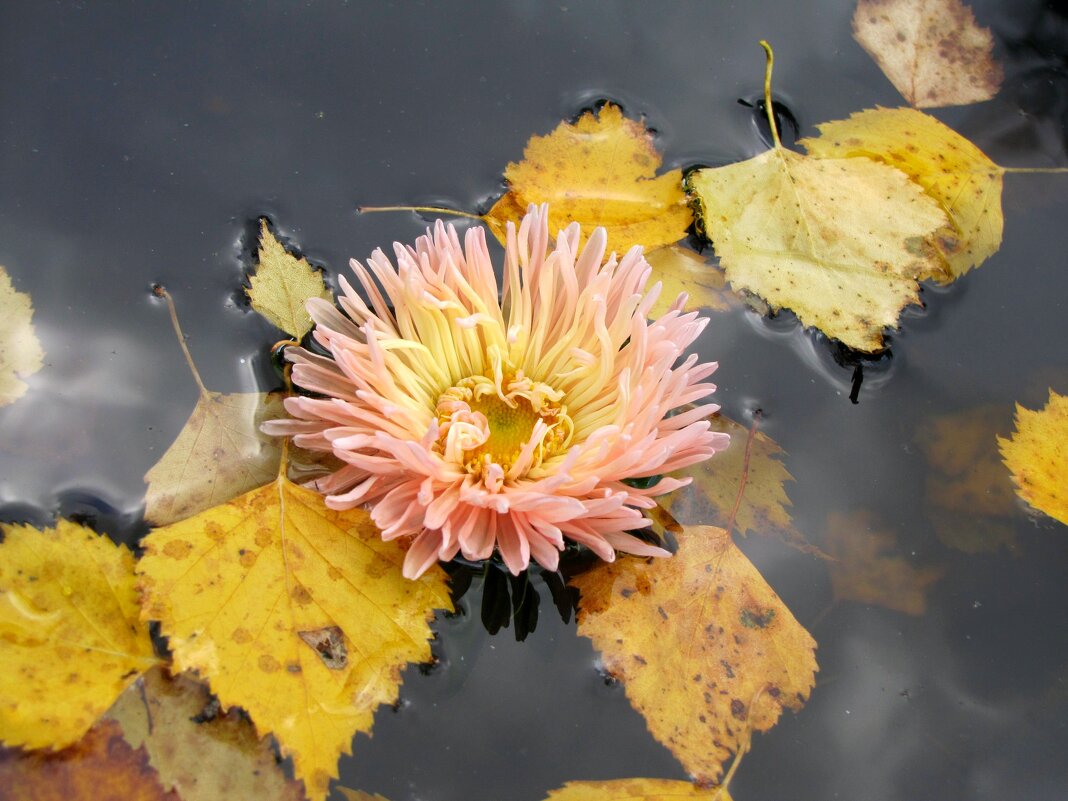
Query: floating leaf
[[282, 285], [705, 649], [20, 350], [598, 171], [70, 639], [100, 767], [953, 171], [636, 790], [1037, 456], [240, 588], [841, 242], [357, 795], [931, 50], [870, 568], [219, 757], [681, 270]]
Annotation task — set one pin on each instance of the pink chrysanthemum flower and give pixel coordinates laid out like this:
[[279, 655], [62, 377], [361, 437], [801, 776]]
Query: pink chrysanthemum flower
[[467, 423]]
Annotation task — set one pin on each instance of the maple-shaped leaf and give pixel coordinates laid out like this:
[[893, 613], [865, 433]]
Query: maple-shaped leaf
[[705, 649], [637, 790], [282, 285], [99, 767], [840, 242], [1037, 456], [868, 567], [70, 638], [20, 350], [598, 171], [952, 170], [295, 612], [931, 50], [200, 755], [680, 270]]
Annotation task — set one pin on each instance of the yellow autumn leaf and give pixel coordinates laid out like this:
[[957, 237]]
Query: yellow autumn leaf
[[70, 638], [598, 171], [636, 790], [705, 649], [952, 170], [1037, 456], [295, 612], [681, 270], [20, 350], [840, 242], [358, 795], [202, 760], [869, 568], [933, 51], [282, 284]]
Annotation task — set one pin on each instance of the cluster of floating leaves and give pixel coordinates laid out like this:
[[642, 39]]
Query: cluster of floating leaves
[[299, 616]]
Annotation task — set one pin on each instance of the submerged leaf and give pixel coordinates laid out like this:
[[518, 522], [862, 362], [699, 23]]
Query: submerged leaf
[[283, 284], [1037, 456], [681, 270], [705, 649], [931, 50], [235, 587], [70, 638], [636, 790], [598, 171], [20, 350]]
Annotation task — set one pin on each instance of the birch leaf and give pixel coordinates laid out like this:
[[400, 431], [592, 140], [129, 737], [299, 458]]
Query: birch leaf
[[283, 284], [681, 270], [636, 790], [705, 649], [20, 350], [1037, 456], [598, 171], [295, 612], [931, 50], [966, 184], [70, 638]]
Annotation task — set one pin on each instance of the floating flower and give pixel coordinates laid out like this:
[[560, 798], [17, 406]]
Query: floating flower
[[468, 419]]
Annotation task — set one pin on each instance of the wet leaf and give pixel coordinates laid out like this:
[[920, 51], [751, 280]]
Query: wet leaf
[[705, 649], [636, 790], [220, 758], [282, 284], [969, 495], [681, 270], [220, 453], [358, 795], [1037, 456], [931, 50], [70, 638], [234, 588], [598, 171], [870, 568], [840, 242], [953, 171], [20, 350], [99, 767]]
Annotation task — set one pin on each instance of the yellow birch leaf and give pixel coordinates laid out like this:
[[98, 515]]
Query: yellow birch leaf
[[283, 284], [20, 350], [953, 171], [869, 566], [840, 242], [1037, 456], [932, 51], [636, 790], [295, 612], [220, 453], [705, 649], [598, 171], [70, 638], [681, 270], [218, 758]]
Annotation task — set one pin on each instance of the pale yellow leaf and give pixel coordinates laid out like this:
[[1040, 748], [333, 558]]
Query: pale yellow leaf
[[681, 270], [637, 790], [20, 350], [705, 649], [70, 638], [931, 50], [283, 284], [295, 612], [1037, 456]]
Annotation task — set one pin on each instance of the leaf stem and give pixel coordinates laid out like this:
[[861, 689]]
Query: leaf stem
[[160, 291], [1042, 170], [769, 64], [745, 471], [427, 209]]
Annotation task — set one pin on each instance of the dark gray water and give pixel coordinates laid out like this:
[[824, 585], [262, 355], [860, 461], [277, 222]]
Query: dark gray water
[[139, 143]]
